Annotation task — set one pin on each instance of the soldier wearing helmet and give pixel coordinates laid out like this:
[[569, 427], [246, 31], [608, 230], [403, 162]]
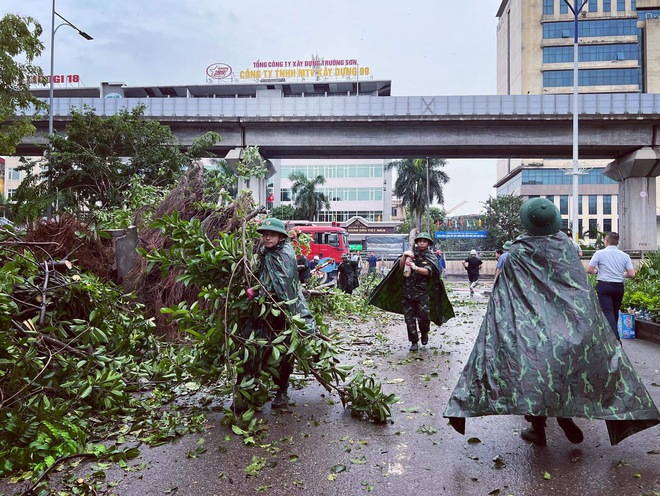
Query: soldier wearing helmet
[[415, 295]]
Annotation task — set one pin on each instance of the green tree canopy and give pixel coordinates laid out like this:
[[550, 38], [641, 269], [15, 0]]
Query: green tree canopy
[[94, 161], [306, 199], [502, 220], [410, 184], [19, 45], [284, 212]]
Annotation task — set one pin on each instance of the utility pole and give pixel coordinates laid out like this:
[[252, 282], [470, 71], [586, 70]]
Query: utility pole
[[575, 171]]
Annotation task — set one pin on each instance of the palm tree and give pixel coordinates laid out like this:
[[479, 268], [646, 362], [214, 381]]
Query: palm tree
[[410, 183], [307, 200]]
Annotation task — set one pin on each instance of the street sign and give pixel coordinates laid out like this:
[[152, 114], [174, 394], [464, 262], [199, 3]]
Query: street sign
[[460, 234]]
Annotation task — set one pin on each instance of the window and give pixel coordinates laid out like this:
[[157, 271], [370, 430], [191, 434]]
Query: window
[[549, 6], [607, 5], [593, 6], [607, 204], [596, 28], [607, 225], [563, 7], [563, 204], [593, 228], [592, 53], [592, 77], [558, 176], [11, 192], [579, 204], [593, 205], [285, 195], [550, 198], [621, 5], [13, 174]]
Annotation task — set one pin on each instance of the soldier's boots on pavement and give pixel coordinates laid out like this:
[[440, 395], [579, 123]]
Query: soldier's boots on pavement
[[572, 431], [282, 400], [536, 433]]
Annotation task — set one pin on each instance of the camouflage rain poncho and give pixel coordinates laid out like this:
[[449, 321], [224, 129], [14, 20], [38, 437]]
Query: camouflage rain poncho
[[278, 272], [545, 348], [388, 293]]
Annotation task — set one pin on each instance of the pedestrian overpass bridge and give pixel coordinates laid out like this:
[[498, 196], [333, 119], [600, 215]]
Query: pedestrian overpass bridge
[[622, 127]]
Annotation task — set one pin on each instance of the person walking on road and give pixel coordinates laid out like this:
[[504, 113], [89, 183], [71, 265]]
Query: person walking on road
[[501, 258], [420, 297], [415, 300], [347, 278], [473, 265], [545, 349], [372, 260], [442, 264], [611, 266], [277, 272]]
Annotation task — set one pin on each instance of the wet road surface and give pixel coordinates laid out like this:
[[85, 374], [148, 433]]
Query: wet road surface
[[316, 448]]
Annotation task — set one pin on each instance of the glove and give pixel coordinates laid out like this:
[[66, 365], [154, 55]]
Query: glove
[[250, 293], [409, 253]]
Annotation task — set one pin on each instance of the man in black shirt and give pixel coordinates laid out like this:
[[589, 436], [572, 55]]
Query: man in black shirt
[[473, 265]]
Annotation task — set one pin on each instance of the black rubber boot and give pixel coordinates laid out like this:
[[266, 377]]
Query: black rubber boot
[[536, 433], [572, 431]]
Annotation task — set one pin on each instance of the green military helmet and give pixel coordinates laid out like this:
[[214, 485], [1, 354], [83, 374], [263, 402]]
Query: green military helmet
[[273, 224], [507, 245], [424, 235], [540, 217]]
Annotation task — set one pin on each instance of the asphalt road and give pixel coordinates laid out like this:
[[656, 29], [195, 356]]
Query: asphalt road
[[317, 448]]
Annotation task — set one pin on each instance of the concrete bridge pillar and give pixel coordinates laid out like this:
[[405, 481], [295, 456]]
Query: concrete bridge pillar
[[257, 185], [636, 173]]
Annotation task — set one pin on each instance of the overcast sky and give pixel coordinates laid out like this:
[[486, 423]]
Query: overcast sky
[[426, 47]]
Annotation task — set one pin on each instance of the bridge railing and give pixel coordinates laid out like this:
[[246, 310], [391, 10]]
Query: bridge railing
[[595, 105]]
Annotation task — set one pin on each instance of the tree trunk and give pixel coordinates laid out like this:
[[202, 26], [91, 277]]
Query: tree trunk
[[411, 244]]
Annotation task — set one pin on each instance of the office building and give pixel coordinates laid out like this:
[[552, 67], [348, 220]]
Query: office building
[[619, 52]]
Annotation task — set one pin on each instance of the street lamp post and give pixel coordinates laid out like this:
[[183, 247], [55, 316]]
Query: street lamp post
[[575, 169], [428, 197], [53, 30]]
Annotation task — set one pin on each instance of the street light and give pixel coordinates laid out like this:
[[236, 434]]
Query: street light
[[575, 170], [53, 30], [52, 59]]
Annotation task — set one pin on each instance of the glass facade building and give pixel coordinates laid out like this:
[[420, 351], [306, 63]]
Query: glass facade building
[[618, 47], [356, 187]]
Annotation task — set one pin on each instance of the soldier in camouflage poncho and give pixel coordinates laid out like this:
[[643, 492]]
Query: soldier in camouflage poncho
[[278, 275], [545, 348], [421, 297]]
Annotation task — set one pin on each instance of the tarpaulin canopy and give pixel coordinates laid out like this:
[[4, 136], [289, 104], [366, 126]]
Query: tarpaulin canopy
[[545, 348]]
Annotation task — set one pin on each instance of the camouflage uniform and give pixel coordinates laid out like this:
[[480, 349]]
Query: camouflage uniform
[[278, 272], [415, 297]]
